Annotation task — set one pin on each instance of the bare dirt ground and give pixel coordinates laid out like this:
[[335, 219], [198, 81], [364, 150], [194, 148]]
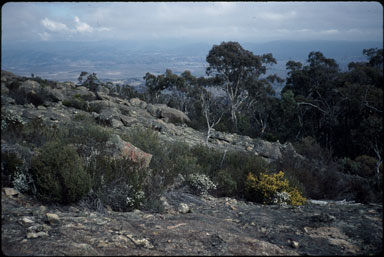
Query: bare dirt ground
[[212, 226]]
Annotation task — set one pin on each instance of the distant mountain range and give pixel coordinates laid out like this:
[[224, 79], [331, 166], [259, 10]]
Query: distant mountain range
[[125, 60]]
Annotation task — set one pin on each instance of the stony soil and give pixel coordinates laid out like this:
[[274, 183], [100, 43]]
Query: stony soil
[[212, 226]]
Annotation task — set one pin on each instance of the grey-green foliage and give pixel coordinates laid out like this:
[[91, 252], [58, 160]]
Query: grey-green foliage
[[118, 183], [10, 120], [200, 183], [23, 181]]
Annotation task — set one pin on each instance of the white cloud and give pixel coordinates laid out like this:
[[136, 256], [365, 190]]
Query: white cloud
[[201, 21], [54, 26], [55, 29], [82, 26], [278, 17], [329, 31]]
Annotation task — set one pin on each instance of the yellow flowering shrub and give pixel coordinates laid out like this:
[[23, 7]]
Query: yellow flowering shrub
[[267, 189]]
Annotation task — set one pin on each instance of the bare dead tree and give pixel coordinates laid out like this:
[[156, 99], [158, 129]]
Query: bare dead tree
[[378, 150], [207, 104], [366, 103]]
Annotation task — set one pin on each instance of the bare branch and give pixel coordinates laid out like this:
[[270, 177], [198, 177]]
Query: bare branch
[[317, 107]]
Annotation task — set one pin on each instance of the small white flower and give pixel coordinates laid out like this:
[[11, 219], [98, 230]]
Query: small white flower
[[201, 183]]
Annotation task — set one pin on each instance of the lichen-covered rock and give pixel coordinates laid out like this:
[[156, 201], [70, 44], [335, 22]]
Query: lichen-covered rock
[[138, 103], [10, 191], [53, 218], [167, 113], [53, 94], [110, 117], [183, 208], [4, 89], [29, 87], [120, 148], [174, 115], [268, 149]]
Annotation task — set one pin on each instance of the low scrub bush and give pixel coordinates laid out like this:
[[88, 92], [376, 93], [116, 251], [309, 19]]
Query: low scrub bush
[[87, 133], [15, 163], [118, 183], [306, 175], [24, 182], [76, 102], [313, 151], [200, 183], [228, 170], [38, 133], [273, 188], [58, 174], [11, 125], [226, 184], [10, 121], [238, 165], [11, 163], [348, 166], [146, 139], [367, 165], [168, 159]]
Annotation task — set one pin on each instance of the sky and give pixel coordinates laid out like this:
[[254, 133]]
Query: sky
[[192, 21]]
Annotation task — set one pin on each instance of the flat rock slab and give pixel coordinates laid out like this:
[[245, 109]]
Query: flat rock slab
[[213, 226]]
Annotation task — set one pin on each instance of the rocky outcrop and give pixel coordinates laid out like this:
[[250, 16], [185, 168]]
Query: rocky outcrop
[[192, 225], [168, 114], [268, 149], [29, 87], [123, 114], [120, 149]]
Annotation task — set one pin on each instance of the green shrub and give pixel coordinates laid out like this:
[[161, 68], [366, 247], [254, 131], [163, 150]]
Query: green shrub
[[168, 159], [59, 174], [208, 158], [145, 139], [87, 134], [367, 165], [304, 174], [239, 164], [76, 102], [11, 163], [270, 137], [226, 185], [313, 151], [81, 117], [95, 107], [38, 133], [348, 166], [14, 85], [273, 188], [44, 82], [228, 169]]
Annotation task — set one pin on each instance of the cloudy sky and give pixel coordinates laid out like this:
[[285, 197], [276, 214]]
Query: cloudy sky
[[194, 21]]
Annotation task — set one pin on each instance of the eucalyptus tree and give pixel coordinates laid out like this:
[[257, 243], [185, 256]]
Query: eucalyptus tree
[[235, 70]]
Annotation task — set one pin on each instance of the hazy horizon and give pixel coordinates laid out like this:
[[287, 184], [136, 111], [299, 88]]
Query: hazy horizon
[[117, 40]]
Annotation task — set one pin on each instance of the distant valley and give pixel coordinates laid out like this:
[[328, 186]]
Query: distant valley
[[124, 62]]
